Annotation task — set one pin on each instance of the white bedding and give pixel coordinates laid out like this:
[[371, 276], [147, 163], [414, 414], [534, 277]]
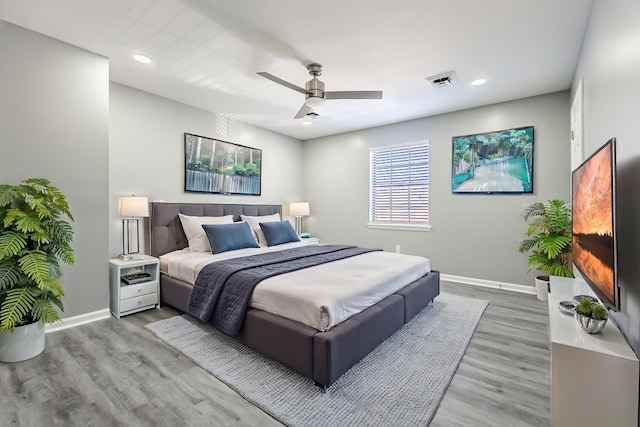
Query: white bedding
[[321, 296]]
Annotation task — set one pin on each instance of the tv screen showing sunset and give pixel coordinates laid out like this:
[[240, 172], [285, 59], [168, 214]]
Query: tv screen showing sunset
[[592, 205]]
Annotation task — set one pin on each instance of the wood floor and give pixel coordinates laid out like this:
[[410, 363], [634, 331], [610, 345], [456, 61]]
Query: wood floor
[[115, 373], [504, 377]]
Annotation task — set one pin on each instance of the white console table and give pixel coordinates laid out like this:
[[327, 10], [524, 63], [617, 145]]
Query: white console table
[[594, 378]]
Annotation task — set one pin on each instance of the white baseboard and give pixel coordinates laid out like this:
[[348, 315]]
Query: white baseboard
[[531, 290], [81, 319]]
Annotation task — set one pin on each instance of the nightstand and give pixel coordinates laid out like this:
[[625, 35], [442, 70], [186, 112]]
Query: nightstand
[[310, 240], [132, 294]]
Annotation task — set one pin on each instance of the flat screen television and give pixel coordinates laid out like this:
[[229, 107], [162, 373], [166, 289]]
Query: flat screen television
[[594, 223]]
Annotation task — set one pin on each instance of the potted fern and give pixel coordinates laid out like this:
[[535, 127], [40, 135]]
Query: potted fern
[[548, 241], [34, 239]]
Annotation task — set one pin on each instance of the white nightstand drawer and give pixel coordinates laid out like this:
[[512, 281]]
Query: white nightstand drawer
[[137, 302], [130, 291]]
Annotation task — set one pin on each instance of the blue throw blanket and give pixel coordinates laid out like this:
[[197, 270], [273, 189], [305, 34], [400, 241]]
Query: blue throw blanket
[[222, 290]]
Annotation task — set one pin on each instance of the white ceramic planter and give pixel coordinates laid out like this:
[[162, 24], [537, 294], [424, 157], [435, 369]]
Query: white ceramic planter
[[542, 289], [24, 343]]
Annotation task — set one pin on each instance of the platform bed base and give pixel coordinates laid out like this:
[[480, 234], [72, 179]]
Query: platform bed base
[[322, 356]]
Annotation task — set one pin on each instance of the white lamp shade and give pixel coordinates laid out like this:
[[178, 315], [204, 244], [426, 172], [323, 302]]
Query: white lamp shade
[[133, 206], [299, 209], [314, 101]]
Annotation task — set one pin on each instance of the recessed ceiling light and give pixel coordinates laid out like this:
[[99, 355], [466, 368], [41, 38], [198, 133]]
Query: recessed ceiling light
[[478, 82], [143, 59]]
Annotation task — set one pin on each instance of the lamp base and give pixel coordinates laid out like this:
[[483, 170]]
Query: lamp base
[[298, 225]]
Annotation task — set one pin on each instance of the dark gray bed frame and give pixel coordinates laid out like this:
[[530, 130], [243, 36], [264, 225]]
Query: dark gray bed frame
[[321, 356]]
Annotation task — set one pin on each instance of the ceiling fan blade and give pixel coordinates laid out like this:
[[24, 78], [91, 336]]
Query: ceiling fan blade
[[354, 94], [282, 82], [303, 111]]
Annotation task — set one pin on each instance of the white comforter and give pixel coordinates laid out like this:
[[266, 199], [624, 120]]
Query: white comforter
[[321, 296]]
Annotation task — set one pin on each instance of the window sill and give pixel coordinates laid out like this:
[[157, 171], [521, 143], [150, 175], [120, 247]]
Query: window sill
[[406, 227]]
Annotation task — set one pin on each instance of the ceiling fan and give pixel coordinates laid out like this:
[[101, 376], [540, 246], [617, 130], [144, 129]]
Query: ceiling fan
[[314, 92]]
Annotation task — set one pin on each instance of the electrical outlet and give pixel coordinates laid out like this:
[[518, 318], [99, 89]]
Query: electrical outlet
[[398, 249]]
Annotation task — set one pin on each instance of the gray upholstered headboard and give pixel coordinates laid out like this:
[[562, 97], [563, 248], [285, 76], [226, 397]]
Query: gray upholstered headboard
[[166, 230]]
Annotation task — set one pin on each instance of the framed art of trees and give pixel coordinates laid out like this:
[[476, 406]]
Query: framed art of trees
[[493, 162], [214, 166]]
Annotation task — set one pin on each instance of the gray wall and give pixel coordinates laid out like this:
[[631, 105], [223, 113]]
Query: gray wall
[[54, 113], [473, 236], [61, 119], [609, 67], [146, 154]]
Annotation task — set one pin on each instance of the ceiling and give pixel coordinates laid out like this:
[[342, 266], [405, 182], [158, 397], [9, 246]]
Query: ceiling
[[206, 53]]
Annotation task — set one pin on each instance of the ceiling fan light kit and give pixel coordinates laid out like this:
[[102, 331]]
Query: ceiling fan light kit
[[314, 101], [314, 92]]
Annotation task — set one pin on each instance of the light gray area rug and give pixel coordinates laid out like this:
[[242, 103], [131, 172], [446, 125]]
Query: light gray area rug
[[400, 383]]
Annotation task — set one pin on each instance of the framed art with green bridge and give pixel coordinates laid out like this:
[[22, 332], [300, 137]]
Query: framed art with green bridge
[[498, 162], [220, 167]]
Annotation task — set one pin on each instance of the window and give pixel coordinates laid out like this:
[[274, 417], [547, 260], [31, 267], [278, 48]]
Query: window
[[399, 186]]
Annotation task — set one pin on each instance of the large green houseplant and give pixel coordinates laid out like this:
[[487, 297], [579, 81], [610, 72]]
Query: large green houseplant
[[34, 239], [548, 239]]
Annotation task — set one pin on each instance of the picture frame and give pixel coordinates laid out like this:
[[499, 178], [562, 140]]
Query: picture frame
[[220, 167], [497, 162]]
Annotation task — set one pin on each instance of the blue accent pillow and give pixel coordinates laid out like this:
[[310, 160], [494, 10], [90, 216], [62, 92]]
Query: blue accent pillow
[[229, 237], [278, 232]]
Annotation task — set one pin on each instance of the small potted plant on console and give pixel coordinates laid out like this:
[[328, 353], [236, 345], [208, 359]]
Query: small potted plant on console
[[591, 316]]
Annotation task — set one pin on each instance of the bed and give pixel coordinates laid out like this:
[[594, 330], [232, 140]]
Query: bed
[[322, 356]]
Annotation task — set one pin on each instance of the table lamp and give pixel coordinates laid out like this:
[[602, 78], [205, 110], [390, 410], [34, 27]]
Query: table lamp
[[132, 208], [299, 209]]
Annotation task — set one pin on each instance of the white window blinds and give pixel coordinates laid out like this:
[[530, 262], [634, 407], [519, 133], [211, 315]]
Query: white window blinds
[[400, 185]]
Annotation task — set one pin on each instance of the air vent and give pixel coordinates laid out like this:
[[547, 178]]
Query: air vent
[[443, 80]]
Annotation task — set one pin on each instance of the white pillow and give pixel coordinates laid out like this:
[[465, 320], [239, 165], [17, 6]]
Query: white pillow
[[254, 224], [192, 226]]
